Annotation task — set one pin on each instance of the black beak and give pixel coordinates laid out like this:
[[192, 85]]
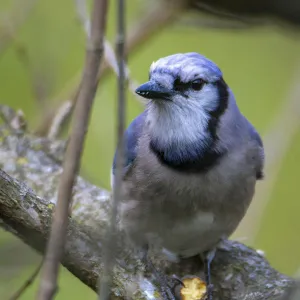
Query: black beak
[[152, 90]]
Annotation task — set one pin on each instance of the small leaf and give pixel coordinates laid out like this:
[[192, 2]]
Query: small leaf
[[194, 289]]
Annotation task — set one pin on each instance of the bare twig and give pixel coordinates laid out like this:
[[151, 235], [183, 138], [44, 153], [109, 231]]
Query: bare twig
[[110, 249], [65, 110], [215, 11], [109, 54], [55, 248], [165, 13], [213, 22], [59, 119], [27, 283], [278, 12]]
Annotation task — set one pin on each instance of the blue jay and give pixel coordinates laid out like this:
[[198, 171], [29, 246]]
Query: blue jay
[[192, 160]]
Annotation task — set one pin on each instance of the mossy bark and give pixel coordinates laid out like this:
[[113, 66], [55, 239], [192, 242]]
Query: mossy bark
[[26, 210]]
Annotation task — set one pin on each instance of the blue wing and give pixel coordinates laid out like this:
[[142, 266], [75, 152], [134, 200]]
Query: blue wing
[[132, 135], [255, 136]]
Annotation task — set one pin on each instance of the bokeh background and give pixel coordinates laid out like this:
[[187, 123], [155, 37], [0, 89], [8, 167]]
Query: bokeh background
[[42, 46]]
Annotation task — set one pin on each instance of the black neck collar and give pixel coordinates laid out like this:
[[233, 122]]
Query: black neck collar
[[196, 157]]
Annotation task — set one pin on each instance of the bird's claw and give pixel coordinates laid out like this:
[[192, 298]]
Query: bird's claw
[[178, 280], [168, 285], [209, 290], [208, 258]]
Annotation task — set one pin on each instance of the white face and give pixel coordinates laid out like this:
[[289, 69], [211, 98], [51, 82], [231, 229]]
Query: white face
[[184, 119], [194, 95]]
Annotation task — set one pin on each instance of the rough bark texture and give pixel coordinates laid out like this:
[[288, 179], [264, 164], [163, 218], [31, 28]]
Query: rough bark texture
[[238, 272]]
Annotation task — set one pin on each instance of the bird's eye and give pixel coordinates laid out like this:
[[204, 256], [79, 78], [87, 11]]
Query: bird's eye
[[197, 84], [179, 86]]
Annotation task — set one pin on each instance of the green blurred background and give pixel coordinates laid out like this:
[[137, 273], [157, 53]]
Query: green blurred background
[[41, 58]]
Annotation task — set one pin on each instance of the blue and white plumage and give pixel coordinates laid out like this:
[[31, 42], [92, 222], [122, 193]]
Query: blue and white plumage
[[192, 159]]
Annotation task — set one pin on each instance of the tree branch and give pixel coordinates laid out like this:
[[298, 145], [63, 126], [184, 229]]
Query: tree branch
[[238, 271]]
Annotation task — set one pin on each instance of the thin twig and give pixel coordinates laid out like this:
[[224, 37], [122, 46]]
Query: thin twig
[[66, 109], [55, 247], [221, 13], [59, 119], [27, 283], [109, 54], [110, 247], [164, 13]]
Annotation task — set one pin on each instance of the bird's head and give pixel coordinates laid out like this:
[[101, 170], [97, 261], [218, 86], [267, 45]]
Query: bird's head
[[187, 96], [188, 82]]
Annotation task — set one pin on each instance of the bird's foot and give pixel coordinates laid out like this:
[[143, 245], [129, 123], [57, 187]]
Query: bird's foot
[[168, 286], [166, 283], [209, 291], [208, 258]]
